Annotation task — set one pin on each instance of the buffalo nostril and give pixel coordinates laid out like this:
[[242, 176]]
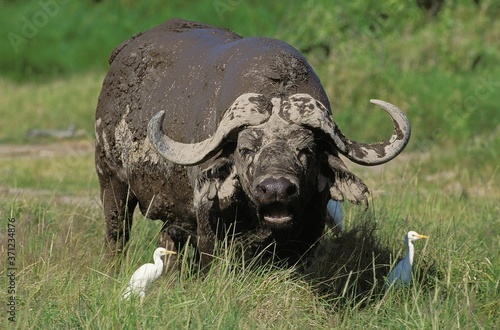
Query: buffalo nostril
[[261, 189], [291, 190], [270, 190]]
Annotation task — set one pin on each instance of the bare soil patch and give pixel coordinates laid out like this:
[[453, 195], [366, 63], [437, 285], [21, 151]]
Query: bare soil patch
[[47, 150]]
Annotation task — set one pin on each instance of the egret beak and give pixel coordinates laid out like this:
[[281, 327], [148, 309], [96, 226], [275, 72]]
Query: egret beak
[[423, 236], [168, 252]]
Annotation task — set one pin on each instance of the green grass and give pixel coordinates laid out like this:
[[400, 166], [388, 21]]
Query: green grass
[[441, 71], [64, 281], [53, 105], [55, 174]]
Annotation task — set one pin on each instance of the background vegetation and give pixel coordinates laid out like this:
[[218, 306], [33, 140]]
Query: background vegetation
[[439, 65]]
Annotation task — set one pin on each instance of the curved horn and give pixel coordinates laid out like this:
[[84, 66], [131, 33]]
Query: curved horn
[[303, 109], [247, 110]]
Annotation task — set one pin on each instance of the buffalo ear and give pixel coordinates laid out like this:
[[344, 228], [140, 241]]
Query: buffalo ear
[[344, 184], [323, 182], [219, 169], [218, 180]]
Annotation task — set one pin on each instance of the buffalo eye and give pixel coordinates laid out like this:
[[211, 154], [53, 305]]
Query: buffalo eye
[[246, 152], [305, 153]]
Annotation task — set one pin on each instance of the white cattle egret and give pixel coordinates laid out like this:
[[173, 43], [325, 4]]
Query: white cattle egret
[[401, 274], [146, 275], [334, 215]]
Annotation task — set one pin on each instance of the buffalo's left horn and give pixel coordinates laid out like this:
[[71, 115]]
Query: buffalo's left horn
[[303, 109], [247, 110]]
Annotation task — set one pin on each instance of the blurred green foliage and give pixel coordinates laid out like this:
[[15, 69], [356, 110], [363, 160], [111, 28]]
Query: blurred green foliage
[[44, 38], [47, 38]]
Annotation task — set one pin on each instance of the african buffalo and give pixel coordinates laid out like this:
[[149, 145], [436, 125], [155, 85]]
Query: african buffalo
[[217, 135]]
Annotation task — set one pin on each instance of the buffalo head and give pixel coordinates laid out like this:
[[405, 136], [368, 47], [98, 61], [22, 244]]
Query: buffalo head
[[285, 152]]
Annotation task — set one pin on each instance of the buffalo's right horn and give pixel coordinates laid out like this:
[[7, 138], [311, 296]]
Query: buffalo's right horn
[[247, 110], [303, 109]]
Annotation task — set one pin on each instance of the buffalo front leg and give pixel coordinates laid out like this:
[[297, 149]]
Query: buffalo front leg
[[206, 234], [119, 207]]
